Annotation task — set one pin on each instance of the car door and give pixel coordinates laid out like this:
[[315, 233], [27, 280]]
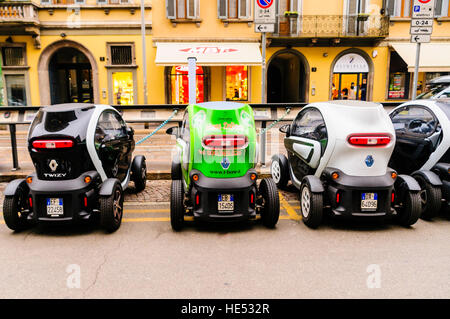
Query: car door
[[417, 133], [306, 142], [184, 143], [113, 145]]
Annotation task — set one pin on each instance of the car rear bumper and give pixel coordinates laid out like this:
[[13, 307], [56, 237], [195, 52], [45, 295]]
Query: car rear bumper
[[208, 190], [350, 190], [75, 194]]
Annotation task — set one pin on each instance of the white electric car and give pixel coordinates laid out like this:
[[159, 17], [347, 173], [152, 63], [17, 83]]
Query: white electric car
[[422, 129], [338, 154]]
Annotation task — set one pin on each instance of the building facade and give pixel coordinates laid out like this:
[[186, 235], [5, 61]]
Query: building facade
[[58, 51]]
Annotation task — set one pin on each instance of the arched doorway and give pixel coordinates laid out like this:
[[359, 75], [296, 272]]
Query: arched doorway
[[58, 56], [351, 77], [287, 77], [70, 74]]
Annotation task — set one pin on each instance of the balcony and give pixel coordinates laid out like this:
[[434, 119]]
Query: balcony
[[320, 29], [19, 17]]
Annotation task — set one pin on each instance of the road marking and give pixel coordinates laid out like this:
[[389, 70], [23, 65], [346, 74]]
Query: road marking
[[292, 214]]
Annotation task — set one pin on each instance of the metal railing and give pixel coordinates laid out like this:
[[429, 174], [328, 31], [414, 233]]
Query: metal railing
[[333, 26]]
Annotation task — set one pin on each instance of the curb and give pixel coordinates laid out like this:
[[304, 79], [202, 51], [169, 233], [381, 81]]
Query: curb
[[150, 176]]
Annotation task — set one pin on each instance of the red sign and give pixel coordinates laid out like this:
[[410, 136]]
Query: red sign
[[264, 3], [424, 1], [208, 50]]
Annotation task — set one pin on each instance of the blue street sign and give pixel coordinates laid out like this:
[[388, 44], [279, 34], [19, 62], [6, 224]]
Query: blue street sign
[[265, 3], [416, 8]]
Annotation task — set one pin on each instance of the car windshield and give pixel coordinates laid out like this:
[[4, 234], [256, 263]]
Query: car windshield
[[433, 91]]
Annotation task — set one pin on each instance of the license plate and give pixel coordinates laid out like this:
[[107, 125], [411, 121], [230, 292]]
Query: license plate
[[225, 202], [369, 201], [55, 207]]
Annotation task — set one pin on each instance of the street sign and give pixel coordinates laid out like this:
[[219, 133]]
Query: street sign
[[423, 9], [265, 12], [259, 28], [421, 38], [421, 30], [421, 22]]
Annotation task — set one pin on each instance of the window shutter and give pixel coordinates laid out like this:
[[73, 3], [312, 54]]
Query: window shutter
[[222, 9], [192, 9], [243, 9], [390, 8], [438, 8], [171, 9]]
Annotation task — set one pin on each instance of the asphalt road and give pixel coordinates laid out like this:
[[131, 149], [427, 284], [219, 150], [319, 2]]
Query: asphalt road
[[146, 259]]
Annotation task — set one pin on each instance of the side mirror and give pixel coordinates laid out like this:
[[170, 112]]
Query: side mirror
[[285, 129], [130, 131], [172, 130]]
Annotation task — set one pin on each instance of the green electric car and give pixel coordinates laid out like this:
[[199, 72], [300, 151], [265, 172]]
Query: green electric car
[[213, 168]]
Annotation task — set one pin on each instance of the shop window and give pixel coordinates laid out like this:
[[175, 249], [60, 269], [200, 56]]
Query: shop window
[[234, 9], [15, 89], [399, 78], [13, 56], [237, 83], [182, 9], [123, 88], [179, 85], [350, 78]]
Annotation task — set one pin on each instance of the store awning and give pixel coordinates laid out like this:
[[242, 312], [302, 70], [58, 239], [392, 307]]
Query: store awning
[[434, 57], [208, 54]]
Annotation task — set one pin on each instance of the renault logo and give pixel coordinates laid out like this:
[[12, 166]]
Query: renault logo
[[53, 165], [369, 161]]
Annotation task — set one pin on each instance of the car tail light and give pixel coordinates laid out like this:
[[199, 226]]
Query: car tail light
[[30, 200], [369, 139], [197, 199], [252, 198], [338, 198], [52, 144], [225, 141], [85, 201], [392, 197]]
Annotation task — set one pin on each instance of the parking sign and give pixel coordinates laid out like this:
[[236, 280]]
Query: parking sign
[[265, 12], [423, 9]]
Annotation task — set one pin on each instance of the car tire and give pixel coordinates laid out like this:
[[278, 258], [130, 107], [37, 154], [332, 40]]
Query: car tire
[[430, 197], [411, 209], [111, 209], [271, 205], [12, 207], [175, 171], [177, 205], [311, 206], [279, 169], [139, 173]]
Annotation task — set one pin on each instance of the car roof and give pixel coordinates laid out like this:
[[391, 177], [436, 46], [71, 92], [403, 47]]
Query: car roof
[[68, 107], [445, 79], [221, 105], [345, 104]]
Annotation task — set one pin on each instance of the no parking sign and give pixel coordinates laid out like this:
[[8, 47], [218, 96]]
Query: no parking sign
[[265, 12]]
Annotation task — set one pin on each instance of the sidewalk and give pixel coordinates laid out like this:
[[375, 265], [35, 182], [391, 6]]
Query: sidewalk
[[157, 150]]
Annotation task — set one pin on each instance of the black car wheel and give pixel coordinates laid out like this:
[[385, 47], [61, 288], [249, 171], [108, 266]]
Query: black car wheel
[[311, 205], [177, 205], [111, 209], [271, 202], [410, 208], [139, 173], [175, 171], [279, 169], [430, 197], [14, 208]]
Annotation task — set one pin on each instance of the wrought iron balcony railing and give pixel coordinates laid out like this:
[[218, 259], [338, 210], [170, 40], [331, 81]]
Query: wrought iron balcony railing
[[333, 26]]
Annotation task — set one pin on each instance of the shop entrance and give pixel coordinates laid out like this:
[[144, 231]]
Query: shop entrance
[[350, 78], [70, 77], [286, 79]]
